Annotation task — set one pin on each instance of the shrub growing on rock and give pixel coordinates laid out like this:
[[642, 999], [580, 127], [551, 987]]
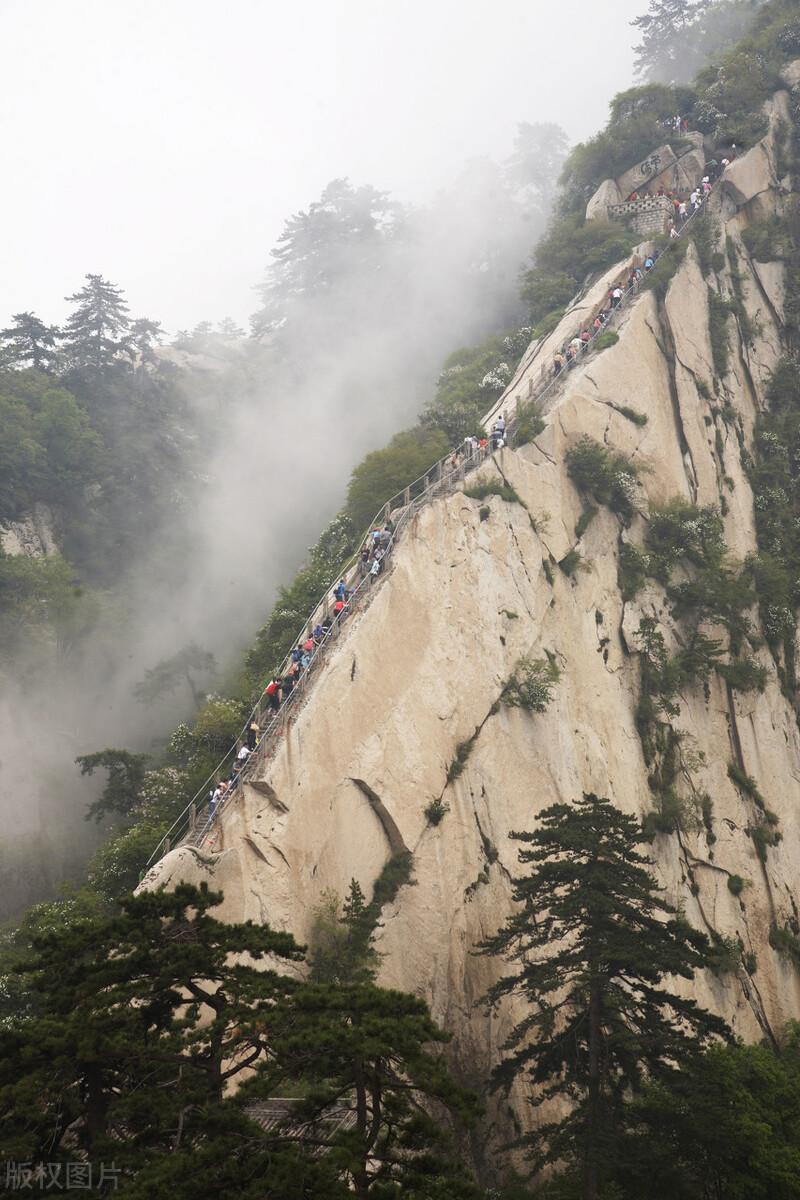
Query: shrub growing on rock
[[609, 477], [531, 685]]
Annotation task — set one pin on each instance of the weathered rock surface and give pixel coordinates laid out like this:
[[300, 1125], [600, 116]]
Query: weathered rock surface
[[32, 535], [421, 669]]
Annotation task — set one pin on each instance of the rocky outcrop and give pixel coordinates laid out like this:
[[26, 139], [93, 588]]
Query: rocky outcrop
[[32, 535], [419, 674], [677, 173]]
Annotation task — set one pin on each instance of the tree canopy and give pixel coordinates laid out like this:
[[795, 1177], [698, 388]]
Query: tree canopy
[[590, 948]]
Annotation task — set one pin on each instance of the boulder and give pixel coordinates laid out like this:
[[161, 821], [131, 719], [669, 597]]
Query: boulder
[[597, 208]]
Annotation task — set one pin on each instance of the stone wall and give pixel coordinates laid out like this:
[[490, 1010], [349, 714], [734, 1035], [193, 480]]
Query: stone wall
[[649, 215]]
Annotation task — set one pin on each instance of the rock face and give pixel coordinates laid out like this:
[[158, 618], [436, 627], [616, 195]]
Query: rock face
[[32, 535], [419, 672]]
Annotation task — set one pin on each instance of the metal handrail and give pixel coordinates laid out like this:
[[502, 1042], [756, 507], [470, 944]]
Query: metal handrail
[[183, 828]]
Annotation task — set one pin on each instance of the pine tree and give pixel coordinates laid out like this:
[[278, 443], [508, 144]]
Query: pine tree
[[590, 947], [122, 791], [144, 335], [666, 37], [338, 239], [537, 159], [344, 950], [29, 343], [368, 1050], [141, 1022], [97, 332]]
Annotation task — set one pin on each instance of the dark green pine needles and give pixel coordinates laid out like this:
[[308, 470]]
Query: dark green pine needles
[[591, 947]]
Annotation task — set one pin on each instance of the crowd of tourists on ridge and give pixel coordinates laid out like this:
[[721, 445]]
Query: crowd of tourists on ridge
[[280, 687], [685, 205]]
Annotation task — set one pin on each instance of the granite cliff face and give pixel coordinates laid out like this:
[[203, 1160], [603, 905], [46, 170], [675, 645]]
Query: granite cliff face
[[421, 669]]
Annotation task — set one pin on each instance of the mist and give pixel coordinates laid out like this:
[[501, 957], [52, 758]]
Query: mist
[[284, 416]]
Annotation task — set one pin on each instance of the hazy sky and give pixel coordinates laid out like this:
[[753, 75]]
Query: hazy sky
[[162, 143]]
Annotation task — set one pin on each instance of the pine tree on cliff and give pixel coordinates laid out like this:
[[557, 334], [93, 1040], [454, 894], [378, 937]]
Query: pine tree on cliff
[[97, 332], [377, 1054], [590, 948], [139, 1023], [351, 1045], [28, 343]]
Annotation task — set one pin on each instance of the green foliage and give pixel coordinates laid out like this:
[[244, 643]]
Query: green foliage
[[592, 935], [342, 939], [605, 340], [120, 1053], [584, 521], [132, 1033], [463, 751], [672, 812], [492, 487], [723, 1126], [632, 570], [217, 724], [785, 940], [168, 674], [775, 478], [471, 379], [44, 612], [384, 473], [395, 873], [746, 784], [679, 531], [48, 451], [275, 639], [115, 868], [748, 327], [635, 129], [124, 781], [659, 277], [763, 835], [609, 477], [663, 677], [531, 686], [435, 811], [718, 313], [382, 1051], [638, 418], [726, 955], [571, 562], [529, 425], [736, 885], [548, 323], [745, 675], [29, 343], [97, 332], [484, 512], [570, 250], [704, 232], [733, 91], [767, 240]]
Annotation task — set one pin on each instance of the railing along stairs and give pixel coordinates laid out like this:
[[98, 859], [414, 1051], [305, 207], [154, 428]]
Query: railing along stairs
[[447, 475]]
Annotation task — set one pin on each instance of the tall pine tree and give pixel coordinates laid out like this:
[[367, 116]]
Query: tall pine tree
[[29, 343], [589, 949], [97, 332]]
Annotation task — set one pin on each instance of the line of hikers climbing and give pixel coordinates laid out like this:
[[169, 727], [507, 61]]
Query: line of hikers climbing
[[280, 687], [684, 209]]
